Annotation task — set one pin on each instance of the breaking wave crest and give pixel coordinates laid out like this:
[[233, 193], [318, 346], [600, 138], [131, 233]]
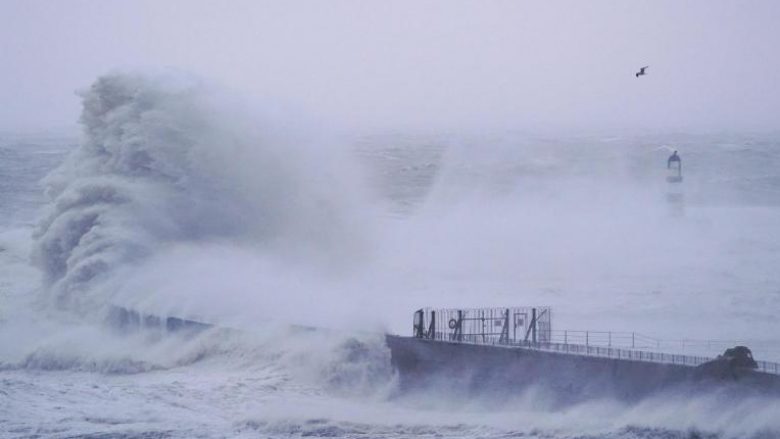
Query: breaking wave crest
[[179, 195], [168, 161], [300, 360]]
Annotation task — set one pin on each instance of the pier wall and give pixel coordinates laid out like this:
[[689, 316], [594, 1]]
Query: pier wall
[[468, 369]]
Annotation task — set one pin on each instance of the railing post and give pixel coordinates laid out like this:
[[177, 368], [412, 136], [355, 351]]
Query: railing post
[[586, 338], [459, 327], [432, 329], [565, 337], [633, 340], [609, 342]]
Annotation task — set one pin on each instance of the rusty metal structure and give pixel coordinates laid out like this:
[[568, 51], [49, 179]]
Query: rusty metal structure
[[510, 326]]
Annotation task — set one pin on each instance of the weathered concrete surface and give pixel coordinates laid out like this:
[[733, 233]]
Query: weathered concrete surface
[[466, 369]]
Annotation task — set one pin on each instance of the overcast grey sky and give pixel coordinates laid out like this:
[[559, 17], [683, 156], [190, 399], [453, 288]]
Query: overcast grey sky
[[419, 64]]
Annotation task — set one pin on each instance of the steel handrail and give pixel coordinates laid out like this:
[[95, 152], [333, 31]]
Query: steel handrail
[[603, 352]]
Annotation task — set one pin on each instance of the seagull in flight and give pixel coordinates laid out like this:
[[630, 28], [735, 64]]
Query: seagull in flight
[[641, 71]]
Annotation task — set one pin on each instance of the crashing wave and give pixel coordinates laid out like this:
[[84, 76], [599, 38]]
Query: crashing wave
[[167, 161]]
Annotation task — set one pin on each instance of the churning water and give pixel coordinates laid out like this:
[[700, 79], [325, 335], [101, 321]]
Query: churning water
[[179, 200]]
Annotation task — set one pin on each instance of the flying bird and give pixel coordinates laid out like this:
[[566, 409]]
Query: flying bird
[[641, 71]]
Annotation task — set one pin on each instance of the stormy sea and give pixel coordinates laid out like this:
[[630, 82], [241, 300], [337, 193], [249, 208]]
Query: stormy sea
[[302, 247]]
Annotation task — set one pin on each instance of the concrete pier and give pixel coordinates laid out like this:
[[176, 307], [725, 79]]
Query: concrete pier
[[470, 369]]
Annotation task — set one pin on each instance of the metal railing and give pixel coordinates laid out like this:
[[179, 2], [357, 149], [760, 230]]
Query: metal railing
[[769, 367], [638, 341], [603, 351], [623, 354], [631, 340]]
